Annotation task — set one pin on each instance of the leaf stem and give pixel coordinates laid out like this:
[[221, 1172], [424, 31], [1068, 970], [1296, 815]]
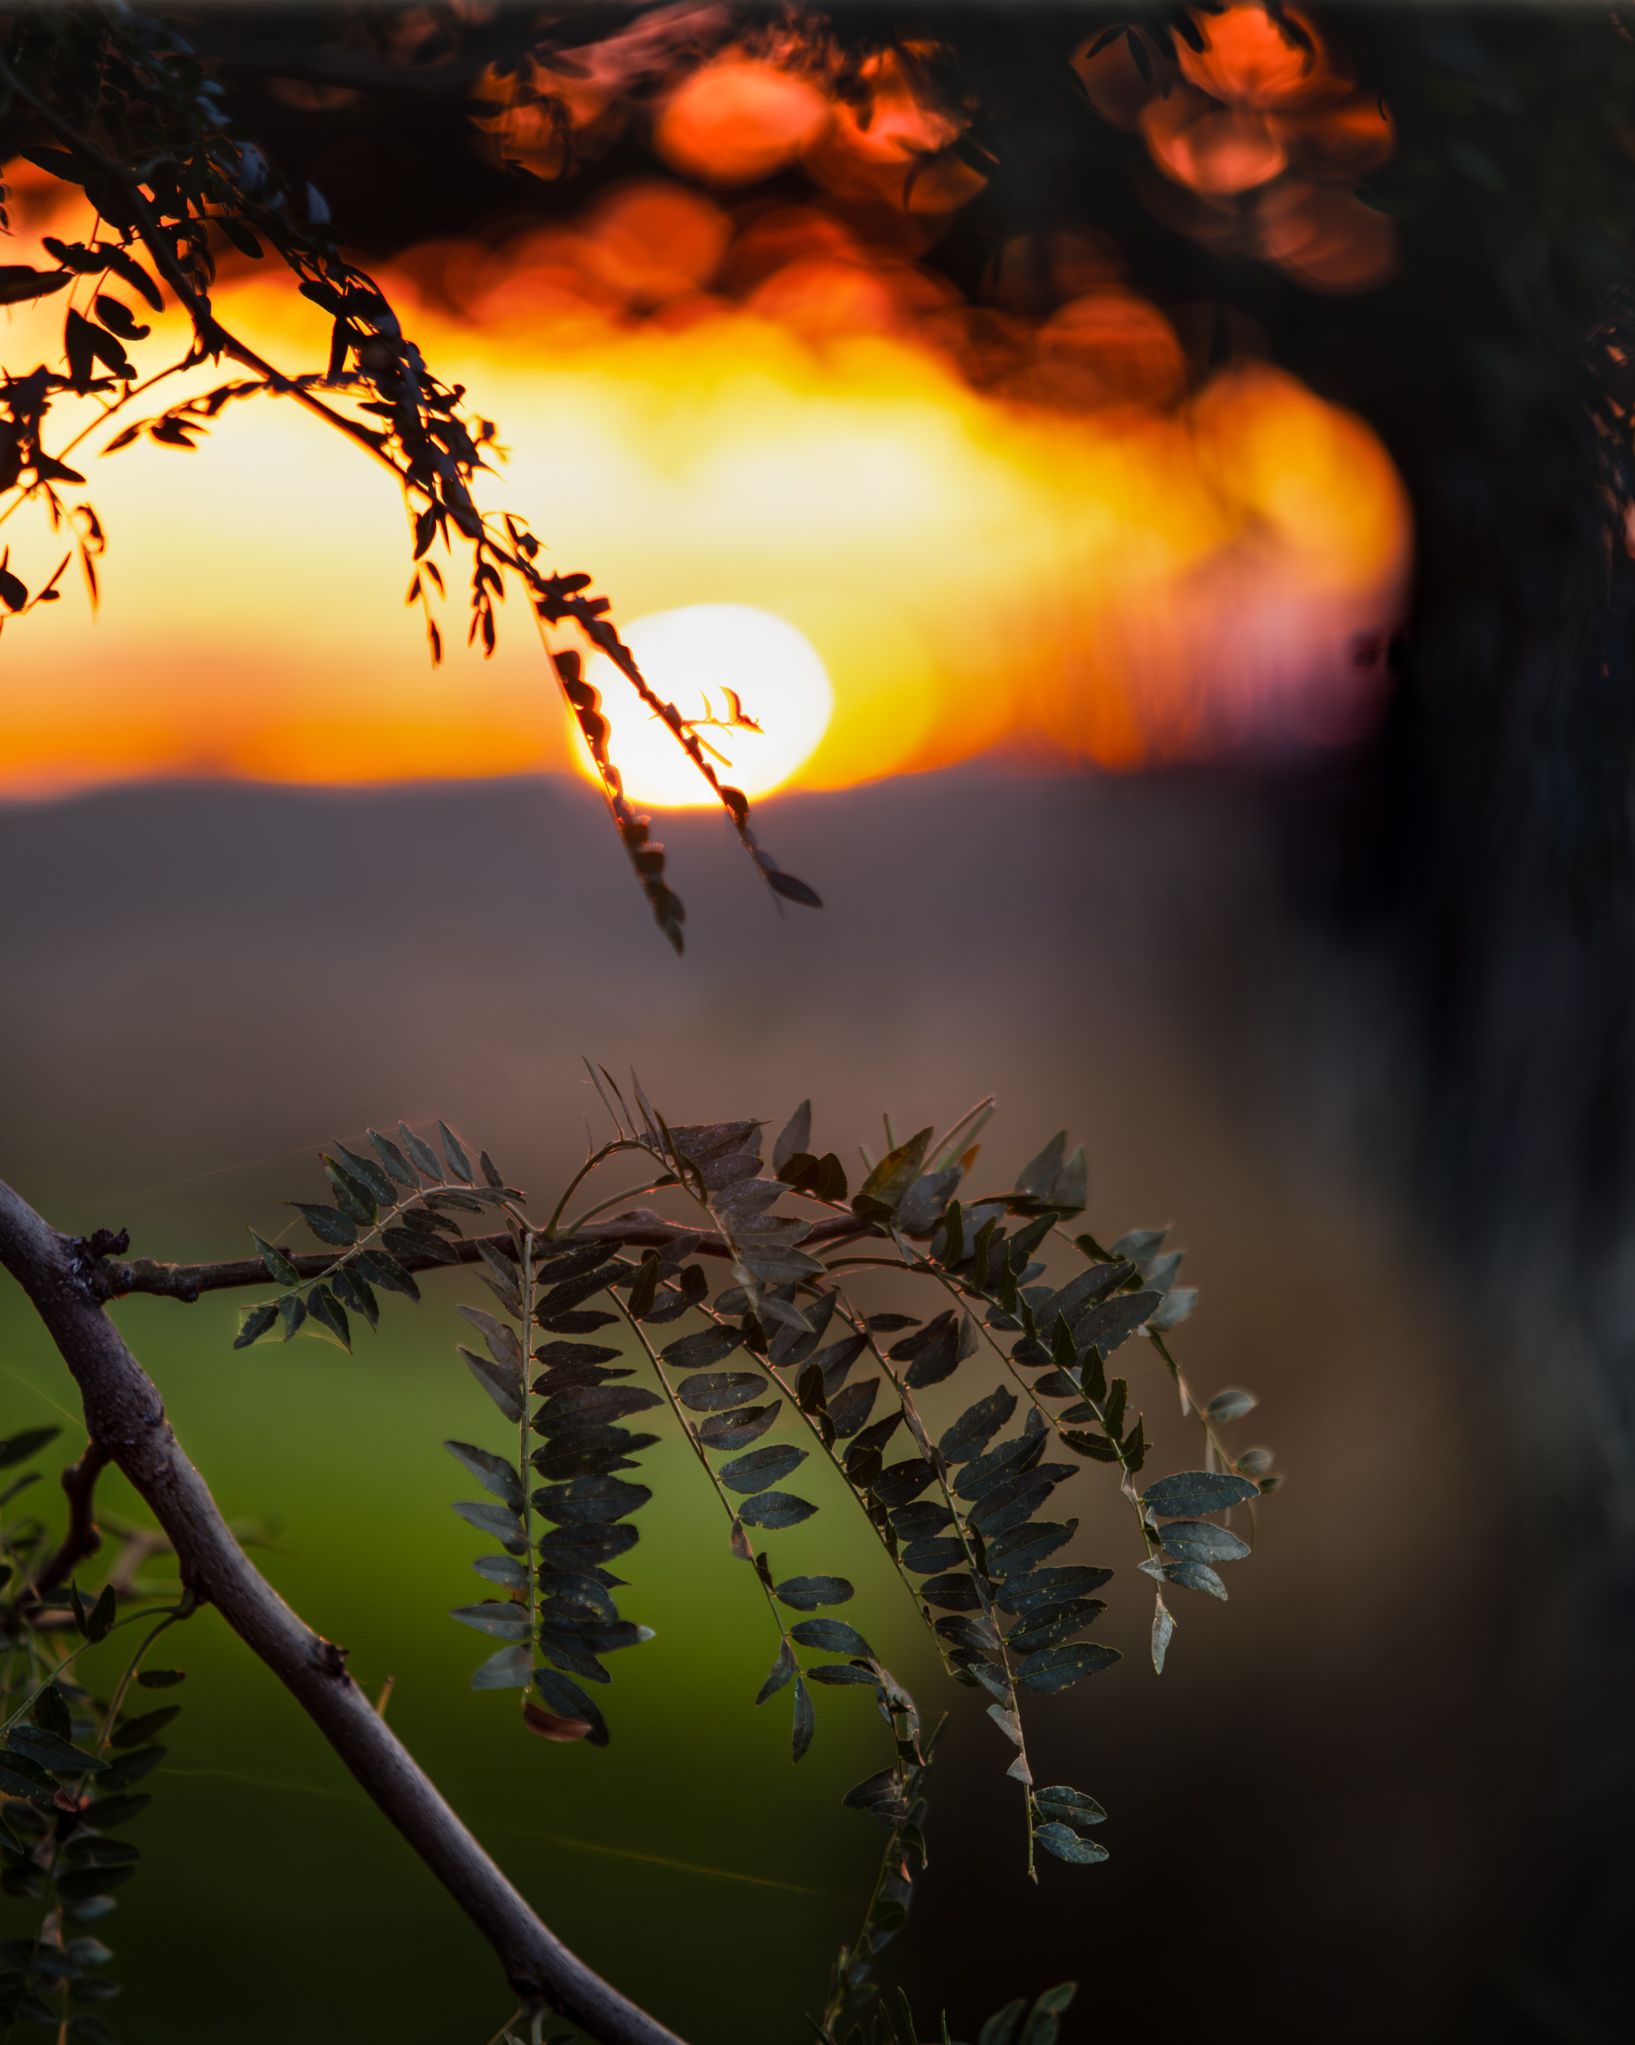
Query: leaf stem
[[742, 1546], [967, 1541], [596, 1159], [524, 1238]]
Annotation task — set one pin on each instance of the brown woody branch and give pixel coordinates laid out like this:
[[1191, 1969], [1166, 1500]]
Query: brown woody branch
[[111, 1278], [82, 1536], [126, 1419]]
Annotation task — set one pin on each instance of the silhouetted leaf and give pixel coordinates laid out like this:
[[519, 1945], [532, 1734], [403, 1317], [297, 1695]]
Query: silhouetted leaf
[[1038, 1176], [496, 1520], [1191, 1576], [977, 1425], [1163, 1632], [328, 1313], [1202, 1541], [832, 1636], [1068, 1806], [1189, 1492], [1066, 1844], [796, 1136], [328, 1224], [805, 1721], [505, 1621], [736, 1430], [779, 1674], [511, 1668], [20, 1447], [254, 1322], [495, 1472], [807, 1593], [702, 1351], [458, 1163], [761, 1467], [775, 1509], [718, 1391], [1054, 1668], [892, 1176], [426, 1160], [279, 1267], [502, 1382], [397, 1166]]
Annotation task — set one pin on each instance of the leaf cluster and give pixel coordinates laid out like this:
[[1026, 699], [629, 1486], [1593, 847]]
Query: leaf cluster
[[71, 1760], [954, 1429], [118, 106]]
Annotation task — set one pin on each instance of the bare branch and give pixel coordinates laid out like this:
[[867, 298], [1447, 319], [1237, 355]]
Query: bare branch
[[109, 1278], [82, 1537], [126, 1417]]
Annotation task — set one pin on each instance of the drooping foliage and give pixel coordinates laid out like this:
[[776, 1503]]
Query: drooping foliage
[[115, 106], [745, 1317], [73, 1751]]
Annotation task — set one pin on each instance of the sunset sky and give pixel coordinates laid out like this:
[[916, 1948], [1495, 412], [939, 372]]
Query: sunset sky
[[992, 529]]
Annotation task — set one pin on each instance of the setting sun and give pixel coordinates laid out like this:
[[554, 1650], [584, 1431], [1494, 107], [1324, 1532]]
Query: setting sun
[[753, 688]]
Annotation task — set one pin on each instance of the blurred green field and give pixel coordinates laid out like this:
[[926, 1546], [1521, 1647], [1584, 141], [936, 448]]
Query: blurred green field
[[272, 1897]]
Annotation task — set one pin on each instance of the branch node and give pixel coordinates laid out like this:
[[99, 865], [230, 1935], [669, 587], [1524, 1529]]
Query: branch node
[[330, 1656], [88, 1257]]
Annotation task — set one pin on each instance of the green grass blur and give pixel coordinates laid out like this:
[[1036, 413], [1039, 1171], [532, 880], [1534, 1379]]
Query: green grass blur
[[690, 1860]]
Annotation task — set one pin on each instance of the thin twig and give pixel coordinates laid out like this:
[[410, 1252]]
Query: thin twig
[[641, 1228], [82, 1537]]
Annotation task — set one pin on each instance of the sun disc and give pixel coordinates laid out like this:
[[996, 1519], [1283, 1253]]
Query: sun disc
[[715, 662]]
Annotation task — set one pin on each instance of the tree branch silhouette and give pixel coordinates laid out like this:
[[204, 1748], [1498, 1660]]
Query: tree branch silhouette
[[426, 443]]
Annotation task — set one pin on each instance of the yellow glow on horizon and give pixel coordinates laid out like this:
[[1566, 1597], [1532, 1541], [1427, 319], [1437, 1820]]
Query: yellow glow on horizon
[[970, 568]]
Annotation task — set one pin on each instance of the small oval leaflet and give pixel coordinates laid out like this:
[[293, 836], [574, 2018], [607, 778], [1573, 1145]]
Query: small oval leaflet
[[1202, 1541], [779, 1673], [1066, 1844], [508, 1669], [775, 1509], [833, 1636], [761, 1467], [738, 1429], [709, 1346], [807, 1593], [1071, 1806], [1195, 1576], [1189, 1492], [1054, 1668], [497, 1616], [718, 1391]]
